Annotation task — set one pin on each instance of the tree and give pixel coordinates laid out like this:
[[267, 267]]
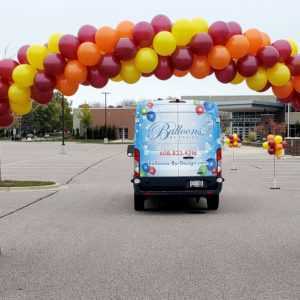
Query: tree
[[85, 117], [269, 126]]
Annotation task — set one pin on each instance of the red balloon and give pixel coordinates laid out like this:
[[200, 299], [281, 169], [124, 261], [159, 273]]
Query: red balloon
[[234, 28], [44, 82], [6, 68], [268, 85], [296, 101], [219, 31], [3, 90], [143, 34], [96, 79], [294, 65], [284, 48], [68, 45], [6, 120], [271, 151], [268, 56], [22, 54], [226, 75], [42, 97], [164, 69], [247, 66], [109, 66], [54, 65], [201, 44], [86, 83], [4, 108], [161, 23], [182, 59], [87, 33], [125, 49]]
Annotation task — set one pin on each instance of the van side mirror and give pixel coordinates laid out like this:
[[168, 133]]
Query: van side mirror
[[130, 150]]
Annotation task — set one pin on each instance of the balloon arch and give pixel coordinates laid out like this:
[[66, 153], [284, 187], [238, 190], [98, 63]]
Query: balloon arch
[[160, 48]]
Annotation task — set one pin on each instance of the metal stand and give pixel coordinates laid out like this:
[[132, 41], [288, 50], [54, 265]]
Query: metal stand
[[274, 185], [233, 167]]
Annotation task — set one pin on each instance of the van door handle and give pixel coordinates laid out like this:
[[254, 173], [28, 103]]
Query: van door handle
[[188, 157]]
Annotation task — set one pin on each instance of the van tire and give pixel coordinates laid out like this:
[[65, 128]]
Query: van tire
[[213, 202], [139, 202]]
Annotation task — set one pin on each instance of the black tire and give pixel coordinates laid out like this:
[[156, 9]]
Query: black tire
[[213, 202], [139, 202]]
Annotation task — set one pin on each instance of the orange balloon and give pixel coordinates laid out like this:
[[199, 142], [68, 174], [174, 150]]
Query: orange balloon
[[219, 57], [200, 67], [67, 87], [125, 29], [255, 39], [106, 39], [179, 73], [296, 83], [266, 39], [75, 71], [284, 91], [238, 46], [88, 54]]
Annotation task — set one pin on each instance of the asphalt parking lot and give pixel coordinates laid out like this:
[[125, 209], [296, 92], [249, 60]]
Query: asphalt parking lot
[[83, 240]]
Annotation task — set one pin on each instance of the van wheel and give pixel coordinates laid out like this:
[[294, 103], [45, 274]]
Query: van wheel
[[213, 202], [138, 202]]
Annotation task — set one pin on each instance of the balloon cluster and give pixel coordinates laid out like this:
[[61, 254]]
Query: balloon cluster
[[158, 48], [275, 145], [233, 141]]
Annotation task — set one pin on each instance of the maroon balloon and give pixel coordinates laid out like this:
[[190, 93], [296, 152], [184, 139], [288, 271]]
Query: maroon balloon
[[201, 44], [86, 83], [109, 66], [161, 23], [143, 34], [42, 97], [294, 65], [96, 79], [87, 33], [164, 69], [247, 66], [234, 28], [6, 68], [182, 59], [44, 82], [284, 48], [22, 54], [125, 49], [4, 108], [54, 65], [219, 32], [296, 103], [3, 90], [68, 45], [226, 75], [268, 56], [6, 120]]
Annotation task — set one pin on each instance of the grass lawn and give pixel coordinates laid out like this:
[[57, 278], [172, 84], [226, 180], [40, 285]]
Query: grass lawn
[[24, 183]]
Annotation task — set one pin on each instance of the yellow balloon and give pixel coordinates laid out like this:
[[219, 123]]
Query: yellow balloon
[[23, 75], [199, 25], [36, 55], [279, 153], [258, 81], [18, 94], [21, 109], [279, 74], [238, 79], [117, 78], [278, 139], [164, 43], [146, 60], [129, 72], [227, 141], [182, 30], [265, 145], [294, 47], [53, 42]]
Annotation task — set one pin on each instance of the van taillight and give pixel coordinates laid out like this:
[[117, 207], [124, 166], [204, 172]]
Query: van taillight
[[219, 154], [136, 155], [219, 163]]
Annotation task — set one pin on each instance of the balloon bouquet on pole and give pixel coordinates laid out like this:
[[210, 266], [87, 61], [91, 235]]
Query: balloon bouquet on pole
[[275, 146], [233, 141]]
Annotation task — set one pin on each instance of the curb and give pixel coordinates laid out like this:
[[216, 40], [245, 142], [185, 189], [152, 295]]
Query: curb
[[32, 188]]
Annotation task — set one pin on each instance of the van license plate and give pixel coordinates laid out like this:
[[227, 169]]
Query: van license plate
[[196, 183]]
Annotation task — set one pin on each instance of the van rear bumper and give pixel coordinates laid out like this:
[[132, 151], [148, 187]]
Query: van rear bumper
[[160, 186]]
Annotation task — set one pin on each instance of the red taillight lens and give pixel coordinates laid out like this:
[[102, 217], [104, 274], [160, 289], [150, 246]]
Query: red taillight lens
[[136, 155], [219, 154], [219, 158]]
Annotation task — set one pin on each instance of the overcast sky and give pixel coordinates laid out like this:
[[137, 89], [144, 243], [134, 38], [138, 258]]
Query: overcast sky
[[32, 21]]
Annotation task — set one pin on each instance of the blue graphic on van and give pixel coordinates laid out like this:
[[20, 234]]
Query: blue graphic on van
[[151, 116]]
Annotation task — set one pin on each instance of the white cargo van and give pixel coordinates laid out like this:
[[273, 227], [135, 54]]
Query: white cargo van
[[177, 151]]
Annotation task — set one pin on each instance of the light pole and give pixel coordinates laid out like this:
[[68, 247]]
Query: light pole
[[105, 113]]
